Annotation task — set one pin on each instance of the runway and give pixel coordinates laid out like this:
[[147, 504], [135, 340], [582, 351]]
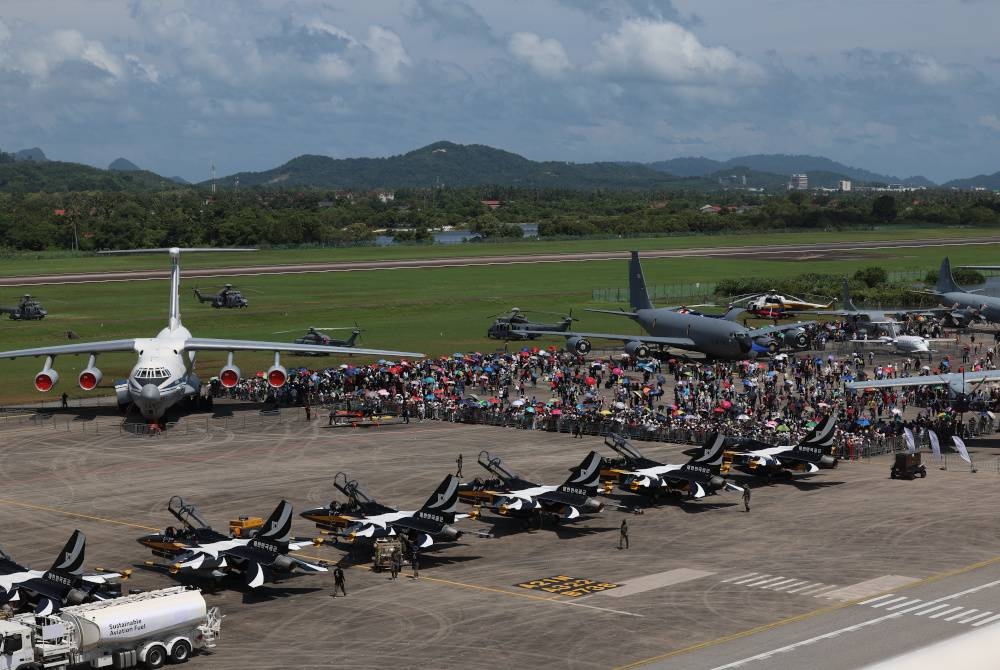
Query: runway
[[770, 251]]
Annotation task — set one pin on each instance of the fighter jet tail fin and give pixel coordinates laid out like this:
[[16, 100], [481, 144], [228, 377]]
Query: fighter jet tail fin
[[586, 475], [444, 498], [710, 455], [70, 559], [946, 280], [278, 526], [638, 296], [820, 437]]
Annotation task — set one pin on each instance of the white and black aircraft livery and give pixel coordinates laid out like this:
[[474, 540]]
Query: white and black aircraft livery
[[164, 373], [258, 559], [65, 583], [365, 518], [696, 478], [509, 495], [810, 455], [718, 337]]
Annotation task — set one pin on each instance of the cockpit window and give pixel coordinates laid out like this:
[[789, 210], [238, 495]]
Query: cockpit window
[[155, 376]]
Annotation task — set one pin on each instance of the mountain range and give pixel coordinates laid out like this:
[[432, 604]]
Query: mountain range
[[457, 165]]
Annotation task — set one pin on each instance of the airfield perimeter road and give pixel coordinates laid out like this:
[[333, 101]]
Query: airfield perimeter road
[[704, 584], [776, 252]]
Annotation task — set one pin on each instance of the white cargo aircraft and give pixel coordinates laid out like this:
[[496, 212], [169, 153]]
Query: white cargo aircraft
[[164, 373]]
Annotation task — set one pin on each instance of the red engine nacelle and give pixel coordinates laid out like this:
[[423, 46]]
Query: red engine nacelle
[[46, 379], [229, 376], [90, 378], [276, 376]]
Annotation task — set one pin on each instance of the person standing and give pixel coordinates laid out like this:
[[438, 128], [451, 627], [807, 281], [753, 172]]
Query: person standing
[[65, 400], [746, 497], [458, 464], [339, 582], [309, 415], [394, 565], [406, 413], [415, 561], [623, 535]]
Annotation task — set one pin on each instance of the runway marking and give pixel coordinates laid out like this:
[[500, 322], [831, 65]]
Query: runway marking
[[869, 587], [795, 582], [978, 616], [802, 617], [558, 600], [928, 610], [875, 600], [733, 579], [43, 508], [905, 603], [889, 602], [961, 614], [655, 581], [850, 629], [986, 621], [941, 614], [752, 579], [778, 585]]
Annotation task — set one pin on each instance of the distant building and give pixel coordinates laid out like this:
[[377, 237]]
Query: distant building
[[386, 196], [798, 182], [844, 185], [709, 209], [492, 204]]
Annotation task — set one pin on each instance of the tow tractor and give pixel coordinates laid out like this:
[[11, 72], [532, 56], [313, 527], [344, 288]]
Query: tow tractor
[[907, 466]]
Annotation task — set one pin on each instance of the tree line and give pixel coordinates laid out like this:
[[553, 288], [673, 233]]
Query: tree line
[[100, 219]]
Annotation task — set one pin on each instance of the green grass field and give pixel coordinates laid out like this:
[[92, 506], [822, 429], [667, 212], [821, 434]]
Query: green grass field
[[434, 310], [49, 263]]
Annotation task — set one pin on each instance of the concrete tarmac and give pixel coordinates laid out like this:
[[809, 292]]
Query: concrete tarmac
[[704, 584]]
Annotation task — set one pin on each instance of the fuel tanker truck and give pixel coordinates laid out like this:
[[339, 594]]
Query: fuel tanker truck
[[139, 630]]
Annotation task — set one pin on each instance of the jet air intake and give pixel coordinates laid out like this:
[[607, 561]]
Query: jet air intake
[[91, 376], [277, 374], [47, 378], [636, 349], [229, 376], [578, 344]]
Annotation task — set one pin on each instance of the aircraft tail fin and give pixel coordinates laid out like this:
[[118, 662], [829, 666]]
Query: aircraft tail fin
[[586, 475], [732, 313], [820, 437], [278, 527], [444, 498], [946, 280], [174, 318], [70, 559], [845, 297], [710, 455], [200, 297], [638, 296], [352, 339]]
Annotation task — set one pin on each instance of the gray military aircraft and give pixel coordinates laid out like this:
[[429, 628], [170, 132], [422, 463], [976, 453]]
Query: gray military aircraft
[[515, 325], [27, 309], [947, 289], [717, 337], [227, 298]]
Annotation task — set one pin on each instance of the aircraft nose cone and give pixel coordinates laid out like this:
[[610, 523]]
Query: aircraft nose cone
[[150, 393]]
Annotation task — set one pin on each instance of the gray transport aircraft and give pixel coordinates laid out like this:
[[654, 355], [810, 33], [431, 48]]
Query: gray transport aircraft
[[947, 289], [164, 373], [718, 337]]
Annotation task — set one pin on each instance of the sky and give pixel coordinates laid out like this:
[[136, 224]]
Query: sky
[[901, 87]]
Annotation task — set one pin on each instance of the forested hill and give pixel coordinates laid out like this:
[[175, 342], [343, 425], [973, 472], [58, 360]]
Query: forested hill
[[60, 177], [451, 165], [782, 165]]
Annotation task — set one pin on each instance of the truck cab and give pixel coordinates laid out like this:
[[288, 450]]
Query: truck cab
[[16, 651]]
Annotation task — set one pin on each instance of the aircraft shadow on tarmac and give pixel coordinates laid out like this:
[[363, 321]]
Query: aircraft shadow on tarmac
[[805, 484], [505, 526], [271, 592], [699, 507]]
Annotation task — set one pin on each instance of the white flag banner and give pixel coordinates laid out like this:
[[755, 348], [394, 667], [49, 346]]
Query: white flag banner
[[911, 445], [935, 445], [962, 451]]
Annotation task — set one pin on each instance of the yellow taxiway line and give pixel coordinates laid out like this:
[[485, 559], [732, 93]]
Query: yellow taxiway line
[[56, 510], [807, 615]]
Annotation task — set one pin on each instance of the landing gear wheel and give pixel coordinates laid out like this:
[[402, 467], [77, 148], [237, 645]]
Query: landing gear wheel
[[893, 474]]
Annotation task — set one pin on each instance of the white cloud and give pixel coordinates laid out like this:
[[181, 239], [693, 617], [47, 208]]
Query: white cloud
[[141, 70], [991, 121], [664, 51], [4, 32], [388, 53], [545, 56]]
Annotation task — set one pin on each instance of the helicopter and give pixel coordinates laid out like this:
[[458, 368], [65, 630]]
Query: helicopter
[[28, 309], [227, 297], [508, 326], [773, 305], [315, 336]]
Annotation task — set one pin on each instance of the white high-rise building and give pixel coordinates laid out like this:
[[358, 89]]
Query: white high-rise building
[[844, 185], [798, 182]]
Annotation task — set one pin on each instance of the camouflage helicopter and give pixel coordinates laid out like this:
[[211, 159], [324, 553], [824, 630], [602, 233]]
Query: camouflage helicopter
[[28, 309], [509, 326], [228, 297], [316, 336]]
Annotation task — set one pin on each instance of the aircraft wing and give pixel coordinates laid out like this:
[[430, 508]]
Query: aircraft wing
[[70, 349], [767, 330], [949, 379], [650, 339], [213, 344]]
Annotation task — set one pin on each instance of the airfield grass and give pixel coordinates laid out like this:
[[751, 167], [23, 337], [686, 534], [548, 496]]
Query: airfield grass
[[436, 311], [40, 263]]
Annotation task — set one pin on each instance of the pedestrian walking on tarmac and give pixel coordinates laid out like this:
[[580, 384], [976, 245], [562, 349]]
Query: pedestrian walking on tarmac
[[746, 497], [623, 535], [415, 561], [338, 581], [309, 414], [458, 463], [65, 400]]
